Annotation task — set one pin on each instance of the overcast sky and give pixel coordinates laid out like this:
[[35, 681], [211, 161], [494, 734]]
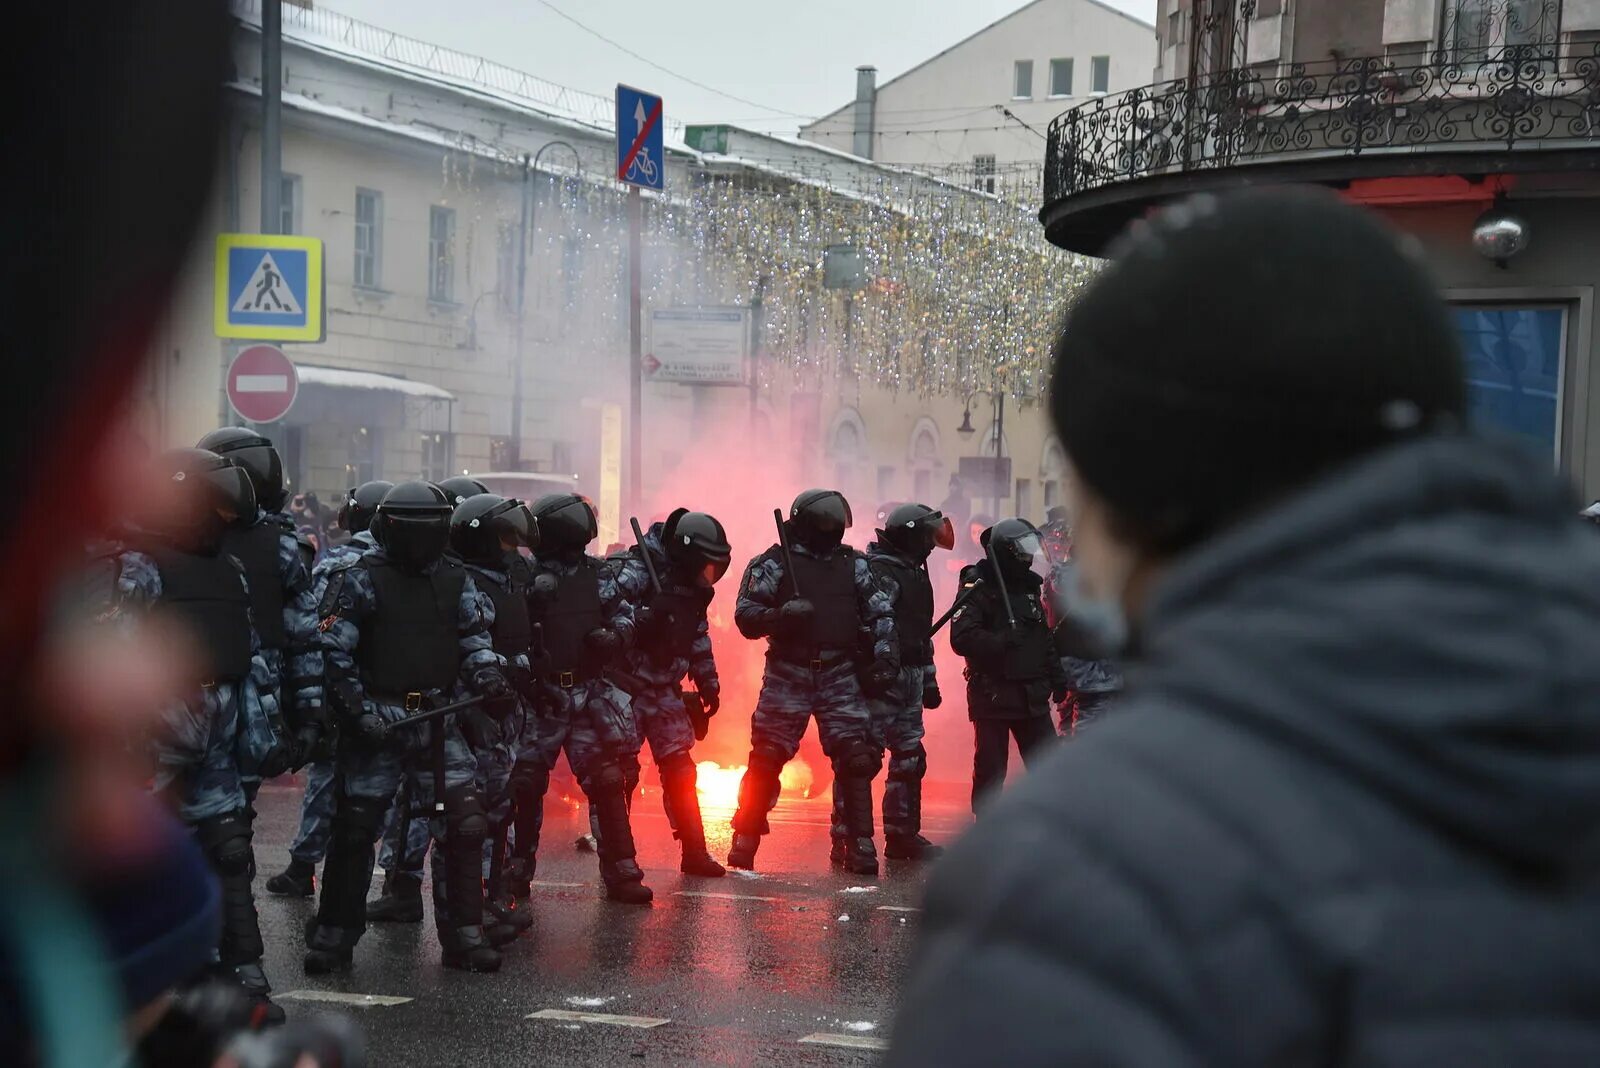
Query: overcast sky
[[787, 56]]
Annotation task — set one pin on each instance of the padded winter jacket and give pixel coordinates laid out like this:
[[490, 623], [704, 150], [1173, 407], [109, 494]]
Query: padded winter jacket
[[1348, 814]]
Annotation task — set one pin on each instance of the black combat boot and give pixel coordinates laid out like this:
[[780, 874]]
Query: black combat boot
[[329, 950], [853, 783], [742, 853], [254, 981], [299, 879], [400, 901], [678, 784], [346, 873], [498, 901], [618, 868], [836, 852], [911, 847]]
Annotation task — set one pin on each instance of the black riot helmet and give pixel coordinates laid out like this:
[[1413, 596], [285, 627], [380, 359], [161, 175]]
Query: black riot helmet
[[697, 546], [916, 530], [413, 524], [361, 504], [249, 450], [1015, 542], [566, 522], [818, 519], [460, 487], [483, 524], [210, 495]]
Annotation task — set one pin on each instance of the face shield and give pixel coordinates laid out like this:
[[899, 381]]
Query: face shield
[[944, 534], [232, 494], [518, 526], [711, 572], [413, 541]]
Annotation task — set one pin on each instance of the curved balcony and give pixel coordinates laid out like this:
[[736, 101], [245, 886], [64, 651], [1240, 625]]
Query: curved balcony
[[1527, 108]]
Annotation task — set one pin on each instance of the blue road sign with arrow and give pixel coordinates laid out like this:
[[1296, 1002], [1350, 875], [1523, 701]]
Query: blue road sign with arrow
[[640, 159]]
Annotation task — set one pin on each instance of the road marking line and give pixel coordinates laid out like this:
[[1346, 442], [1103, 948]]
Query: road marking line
[[724, 897], [825, 1038], [898, 908], [597, 1018], [558, 886], [339, 997]]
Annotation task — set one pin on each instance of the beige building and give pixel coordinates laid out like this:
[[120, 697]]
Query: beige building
[[1469, 124], [408, 163], [977, 111]]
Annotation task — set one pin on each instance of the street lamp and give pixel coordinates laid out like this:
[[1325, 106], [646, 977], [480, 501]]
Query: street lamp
[[528, 167]]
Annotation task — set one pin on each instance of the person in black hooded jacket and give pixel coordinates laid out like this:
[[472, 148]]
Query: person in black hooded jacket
[[1349, 811]]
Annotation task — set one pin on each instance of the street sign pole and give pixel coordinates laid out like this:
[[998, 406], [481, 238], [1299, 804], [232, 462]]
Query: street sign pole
[[271, 112], [635, 358]]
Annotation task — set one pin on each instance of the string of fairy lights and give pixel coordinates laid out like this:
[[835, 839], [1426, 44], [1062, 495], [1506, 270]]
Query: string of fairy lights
[[956, 292]]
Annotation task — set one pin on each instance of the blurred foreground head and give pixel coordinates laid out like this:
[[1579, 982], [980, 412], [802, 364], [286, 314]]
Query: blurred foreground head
[[1236, 349], [109, 171]]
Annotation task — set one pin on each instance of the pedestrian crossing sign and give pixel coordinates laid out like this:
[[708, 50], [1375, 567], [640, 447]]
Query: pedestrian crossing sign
[[269, 287]]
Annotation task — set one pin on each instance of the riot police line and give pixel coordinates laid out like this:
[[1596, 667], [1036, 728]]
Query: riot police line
[[428, 673]]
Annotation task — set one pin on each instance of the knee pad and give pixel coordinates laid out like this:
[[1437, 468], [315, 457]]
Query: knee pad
[[528, 781], [768, 757], [909, 765], [608, 779], [858, 759], [463, 813], [226, 843], [676, 769], [359, 818]]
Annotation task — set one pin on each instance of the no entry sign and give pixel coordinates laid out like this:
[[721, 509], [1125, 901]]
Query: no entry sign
[[262, 384]]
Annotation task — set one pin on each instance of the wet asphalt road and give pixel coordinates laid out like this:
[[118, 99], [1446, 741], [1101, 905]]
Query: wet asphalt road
[[742, 974]]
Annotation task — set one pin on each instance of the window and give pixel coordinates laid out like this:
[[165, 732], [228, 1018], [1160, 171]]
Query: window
[[1100, 74], [289, 204], [500, 454], [1022, 79], [1025, 497], [506, 265], [983, 173], [1513, 360], [1061, 77], [441, 253], [1479, 30], [369, 233], [435, 456], [361, 456]]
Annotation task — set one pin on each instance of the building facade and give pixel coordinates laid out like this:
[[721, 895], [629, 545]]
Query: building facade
[[1472, 125], [426, 173], [949, 114]]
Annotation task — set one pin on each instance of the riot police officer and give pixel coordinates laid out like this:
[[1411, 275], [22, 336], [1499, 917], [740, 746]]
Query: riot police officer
[[585, 624], [277, 563], [899, 558], [486, 532], [177, 568], [316, 806], [405, 630], [821, 622], [459, 487], [686, 555], [1012, 670]]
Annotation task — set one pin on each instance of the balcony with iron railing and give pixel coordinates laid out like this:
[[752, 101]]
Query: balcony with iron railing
[[1490, 99]]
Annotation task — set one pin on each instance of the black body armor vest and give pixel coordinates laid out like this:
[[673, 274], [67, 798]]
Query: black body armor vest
[[686, 605], [913, 613], [257, 549], [209, 600], [512, 632], [830, 585], [411, 640], [568, 614]]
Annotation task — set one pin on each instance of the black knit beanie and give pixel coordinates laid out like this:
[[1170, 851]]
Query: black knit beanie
[[1239, 346]]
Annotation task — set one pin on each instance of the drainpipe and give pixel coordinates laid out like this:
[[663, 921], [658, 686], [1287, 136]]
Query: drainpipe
[[865, 109]]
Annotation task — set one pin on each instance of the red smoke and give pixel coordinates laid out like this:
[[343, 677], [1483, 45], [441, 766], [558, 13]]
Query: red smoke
[[740, 482]]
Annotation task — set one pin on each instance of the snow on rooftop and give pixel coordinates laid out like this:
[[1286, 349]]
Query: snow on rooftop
[[339, 378]]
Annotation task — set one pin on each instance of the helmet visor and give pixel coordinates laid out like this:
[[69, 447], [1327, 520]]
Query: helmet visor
[[517, 524], [232, 493], [944, 535], [712, 571]]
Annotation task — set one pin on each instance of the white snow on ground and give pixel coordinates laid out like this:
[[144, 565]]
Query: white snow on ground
[[859, 890], [589, 1003]]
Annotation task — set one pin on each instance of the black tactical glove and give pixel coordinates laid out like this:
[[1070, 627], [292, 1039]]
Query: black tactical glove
[[879, 678], [794, 618], [479, 727], [711, 698], [603, 644], [498, 699], [651, 623], [931, 697]]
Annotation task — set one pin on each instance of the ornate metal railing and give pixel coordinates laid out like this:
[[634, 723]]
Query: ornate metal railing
[[1522, 96]]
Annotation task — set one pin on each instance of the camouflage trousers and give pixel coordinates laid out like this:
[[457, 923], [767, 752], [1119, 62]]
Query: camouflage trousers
[[898, 728], [261, 727], [310, 843], [592, 722], [200, 772], [791, 696], [663, 721]]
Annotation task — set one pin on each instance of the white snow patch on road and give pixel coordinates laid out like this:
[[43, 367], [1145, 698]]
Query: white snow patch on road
[[589, 1003], [859, 890]]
